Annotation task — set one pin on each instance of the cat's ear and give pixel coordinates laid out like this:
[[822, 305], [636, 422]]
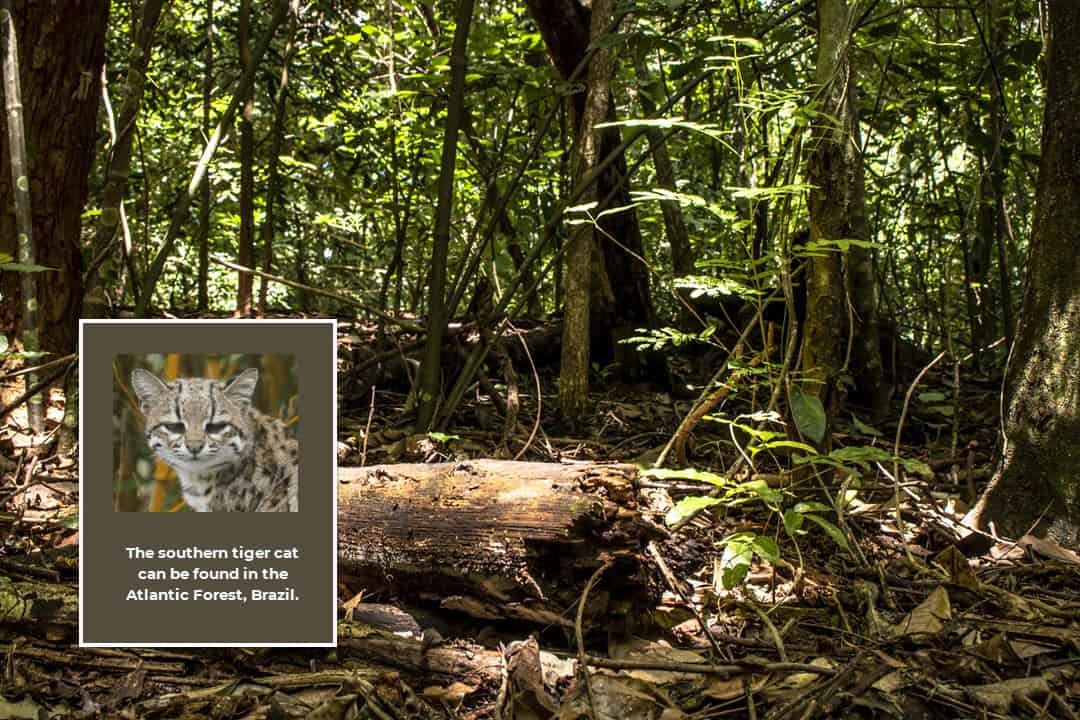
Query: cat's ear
[[242, 387], [147, 386]]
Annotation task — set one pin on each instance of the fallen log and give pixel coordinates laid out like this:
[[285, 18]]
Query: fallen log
[[496, 539]]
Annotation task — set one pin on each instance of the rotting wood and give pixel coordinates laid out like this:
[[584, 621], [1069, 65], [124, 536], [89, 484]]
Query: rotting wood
[[495, 539]]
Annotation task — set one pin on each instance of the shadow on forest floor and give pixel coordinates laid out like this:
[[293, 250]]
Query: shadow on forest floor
[[769, 604]]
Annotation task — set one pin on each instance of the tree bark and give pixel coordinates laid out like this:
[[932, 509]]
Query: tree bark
[[273, 183], [430, 370], [494, 538], [1036, 485], [204, 193], [838, 212], [119, 167], [246, 240], [621, 299], [61, 52], [582, 255]]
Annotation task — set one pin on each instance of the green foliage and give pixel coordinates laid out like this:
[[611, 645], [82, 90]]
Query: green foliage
[[809, 414]]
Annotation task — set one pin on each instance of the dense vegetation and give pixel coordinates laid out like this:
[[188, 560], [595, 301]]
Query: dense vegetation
[[822, 226]]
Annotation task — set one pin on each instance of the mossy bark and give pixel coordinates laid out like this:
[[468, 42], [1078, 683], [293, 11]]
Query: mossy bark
[[1037, 486], [837, 207]]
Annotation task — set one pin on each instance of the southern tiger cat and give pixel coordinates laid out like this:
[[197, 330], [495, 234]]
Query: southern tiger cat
[[228, 456]]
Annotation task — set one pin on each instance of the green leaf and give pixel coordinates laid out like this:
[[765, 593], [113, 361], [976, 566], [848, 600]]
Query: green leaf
[[5, 258], [70, 522], [24, 267], [3, 343], [805, 507], [443, 437], [687, 474], [929, 397], [917, 467], [766, 548], [733, 576], [861, 454], [738, 552], [744, 537], [862, 428], [688, 506], [781, 444], [793, 521], [830, 530], [809, 414], [763, 491]]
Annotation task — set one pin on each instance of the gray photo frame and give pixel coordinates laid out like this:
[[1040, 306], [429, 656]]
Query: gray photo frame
[[128, 597]]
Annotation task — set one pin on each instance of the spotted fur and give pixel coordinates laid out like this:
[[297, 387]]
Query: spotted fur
[[228, 456]]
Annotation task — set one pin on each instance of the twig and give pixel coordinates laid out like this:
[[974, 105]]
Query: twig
[[38, 368], [673, 583], [539, 396], [738, 667], [773, 632], [581, 637], [367, 428], [896, 449], [400, 322], [30, 392]]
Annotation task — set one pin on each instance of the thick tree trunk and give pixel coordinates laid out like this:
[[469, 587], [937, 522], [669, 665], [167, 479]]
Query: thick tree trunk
[[582, 254], [494, 538], [838, 212], [621, 294], [61, 51], [1037, 480]]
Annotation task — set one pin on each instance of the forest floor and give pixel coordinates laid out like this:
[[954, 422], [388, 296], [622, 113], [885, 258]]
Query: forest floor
[[768, 604]]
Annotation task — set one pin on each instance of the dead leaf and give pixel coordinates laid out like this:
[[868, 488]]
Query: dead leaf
[[1050, 549], [959, 568], [999, 696], [929, 617]]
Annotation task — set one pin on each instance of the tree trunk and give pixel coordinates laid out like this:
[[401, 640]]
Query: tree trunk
[[838, 212], [1036, 485], [61, 52], [564, 25], [582, 254], [246, 240], [119, 166], [204, 195], [495, 538], [431, 368], [273, 183], [35, 406], [678, 237]]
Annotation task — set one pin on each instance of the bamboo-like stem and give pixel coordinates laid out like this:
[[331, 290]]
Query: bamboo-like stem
[[20, 184]]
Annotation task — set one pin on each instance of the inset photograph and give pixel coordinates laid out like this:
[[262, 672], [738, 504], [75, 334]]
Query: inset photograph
[[206, 433]]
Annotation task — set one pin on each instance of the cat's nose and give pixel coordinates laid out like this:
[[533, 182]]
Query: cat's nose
[[195, 448]]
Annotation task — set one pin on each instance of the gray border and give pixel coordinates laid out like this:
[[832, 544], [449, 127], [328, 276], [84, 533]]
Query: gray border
[[331, 324]]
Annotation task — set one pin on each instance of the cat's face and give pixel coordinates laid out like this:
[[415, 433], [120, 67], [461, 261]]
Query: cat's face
[[196, 424]]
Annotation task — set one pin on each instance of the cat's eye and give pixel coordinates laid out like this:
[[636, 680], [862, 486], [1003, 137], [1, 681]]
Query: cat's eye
[[217, 427], [175, 427]]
